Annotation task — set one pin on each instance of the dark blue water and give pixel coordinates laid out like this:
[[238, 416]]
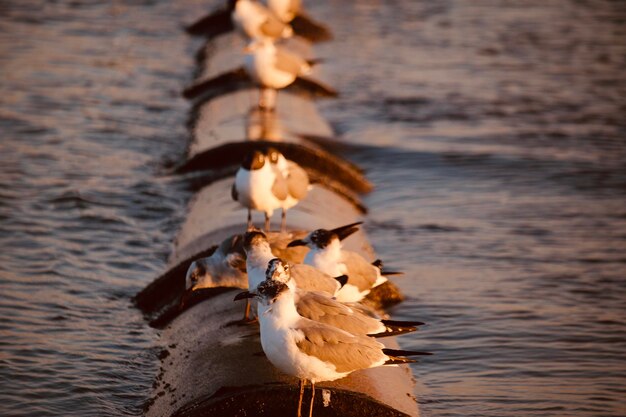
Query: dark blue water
[[499, 161]]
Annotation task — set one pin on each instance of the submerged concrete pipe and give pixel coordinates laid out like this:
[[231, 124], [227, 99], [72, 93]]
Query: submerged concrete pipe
[[224, 129], [211, 365], [218, 22], [221, 69], [214, 366]]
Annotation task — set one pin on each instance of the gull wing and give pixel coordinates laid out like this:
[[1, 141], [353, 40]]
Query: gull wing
[[361, 273], [345, 351], [309, 278], [297, 181], [320, 307], [272, 27], [279, 188], [290, 62]]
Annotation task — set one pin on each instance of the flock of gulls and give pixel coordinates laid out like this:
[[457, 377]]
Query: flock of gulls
[[313, 325]]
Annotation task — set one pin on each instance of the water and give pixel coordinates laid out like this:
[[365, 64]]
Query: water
[[499, 157], [90, 117], [501, 193]]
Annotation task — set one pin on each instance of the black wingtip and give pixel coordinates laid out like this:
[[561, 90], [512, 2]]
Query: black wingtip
[[400, 352], [391, 273], [378, 264], [342, 279], [402, 323]]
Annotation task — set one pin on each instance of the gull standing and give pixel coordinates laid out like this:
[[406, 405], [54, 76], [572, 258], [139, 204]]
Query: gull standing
[[327, 255], [258, 187], [259, 254], [310, 350], [272, 68], [255, 21], [297, 182]]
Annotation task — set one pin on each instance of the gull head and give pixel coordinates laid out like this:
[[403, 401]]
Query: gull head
[[271, 290], [278, 270], [276, 158], [253, 239], [253, 161], [319, 239], [195, 272]]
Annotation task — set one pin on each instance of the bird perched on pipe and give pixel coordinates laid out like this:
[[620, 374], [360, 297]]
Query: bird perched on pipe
[[272, 68], [327, 254], [309, 350], [259, 187], [259, 254], [267, 181], [226, 267]]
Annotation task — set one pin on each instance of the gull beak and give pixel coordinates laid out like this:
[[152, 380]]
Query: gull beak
[[297, 242], [345, 231], [244, 294]]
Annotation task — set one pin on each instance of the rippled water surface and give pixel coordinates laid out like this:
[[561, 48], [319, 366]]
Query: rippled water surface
[[497, 141]]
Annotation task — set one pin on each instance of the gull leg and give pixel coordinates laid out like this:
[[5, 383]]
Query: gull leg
[[267, 223], [249, 219], [283, 221], [312, 398], [267, 99], [300, 400], [246, 314]]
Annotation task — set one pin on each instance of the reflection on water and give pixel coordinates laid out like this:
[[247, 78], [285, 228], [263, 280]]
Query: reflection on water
[[501, 191]]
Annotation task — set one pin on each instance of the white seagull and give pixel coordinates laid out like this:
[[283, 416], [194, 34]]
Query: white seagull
[[258, 187], [255, 21], [259, 254], [297, 180], [310, 350], [272, 68], [327, 255]]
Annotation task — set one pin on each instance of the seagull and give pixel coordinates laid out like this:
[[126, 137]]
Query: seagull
[[258, 187], [272, 68], [327, 255], [321, 307], [285, 10], [259, 254], [226, 267], [310, 350], [297, 181], [255, 21]]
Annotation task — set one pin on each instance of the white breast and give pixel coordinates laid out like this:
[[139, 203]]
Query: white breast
[[255, 189]]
